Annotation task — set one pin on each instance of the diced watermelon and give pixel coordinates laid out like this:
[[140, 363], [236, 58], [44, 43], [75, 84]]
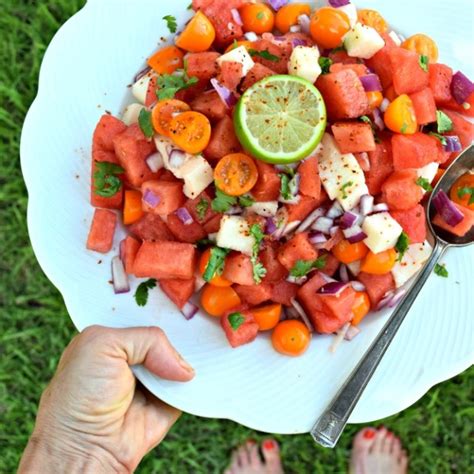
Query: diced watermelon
[[239, 269], [185, 232], [202, 65], [413, 222], [400, 190], [424, 105], [132, 148], [307, 297], [151, 227], [340, 56], [106, 131], [443, 155], [297, 248], [380, 62], [268, 257], [151, 98], [343, 94], [202, 203], [245, 333], [211, 105], [178, 291], [167, 175], [440, 77], [190, 93], [169, 194], [213, 224], [359, 69], [462, 228], [165, 260], [377, 286], [413, 151], [112, 202], [129, 248], [338, 308], [461, 127], [306, 205], [353, 137], [408, 75], [223, 140], [310, 183], [257, 73], [230, 74], [101, 234], [254, 294], [332, 263], [460, 108], [281, 65], [267, 187], [283, 292]]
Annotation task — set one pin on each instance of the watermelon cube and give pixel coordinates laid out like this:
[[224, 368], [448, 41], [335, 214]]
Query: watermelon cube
[[380, 62], [239, 269], [339, 307], [151, 227], [353, 137], [381, 166], [101, 234], [105, 132], [223, 140], [332, 263], [306, 205], [467, 110], [202, 65], [267, 187], [211, 105], [128, 251], [297, 248], [413, 222], [254, 295], [359, 69], [283, 292], [268, 257], [185, 232], [306, 295], [424, 105], [462, 228], [310, 183], [400, 190], [256, 74], [377, 286], [164, 197], [230, 75], [200, 208], [440, 77], [461, 127], [112, 202], [213, 224], [240, 327], [413, 151], [279, 66], [408, 75], [178, 291]]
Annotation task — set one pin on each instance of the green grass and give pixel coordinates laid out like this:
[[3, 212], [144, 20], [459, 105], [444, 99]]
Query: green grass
[[34, 325]]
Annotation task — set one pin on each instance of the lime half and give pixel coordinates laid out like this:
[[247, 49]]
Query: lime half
[[280, 119]]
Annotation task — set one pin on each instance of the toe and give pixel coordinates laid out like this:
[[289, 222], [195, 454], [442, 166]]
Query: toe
[[387, 442], [243, 457], [379, 440], [271, 454], [364, 438], [254, 457], [396, 447], [403, 460]]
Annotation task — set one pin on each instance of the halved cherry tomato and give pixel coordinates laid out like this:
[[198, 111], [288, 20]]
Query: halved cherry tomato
[[218, 300], [463, 191], [132, 207], [328, 26], [191, 131], [375, 99], [346, 252], [217, 280], [291, 338], [257, 17], [163, 112], [361, 307], [422, 45], [379, 263], [247, 44], [166, 60], [236, 174], [267, 317], [400, 116], [198, 35], [374, 19], [287, 16]]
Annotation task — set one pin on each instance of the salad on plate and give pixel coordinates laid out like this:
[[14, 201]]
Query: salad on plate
[[273, 167]]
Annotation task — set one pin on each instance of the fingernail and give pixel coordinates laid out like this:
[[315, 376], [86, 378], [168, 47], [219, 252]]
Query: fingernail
[[184, 364], [268, 444], [369, 433]]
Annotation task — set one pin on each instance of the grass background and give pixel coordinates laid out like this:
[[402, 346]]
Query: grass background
[[34, 325]]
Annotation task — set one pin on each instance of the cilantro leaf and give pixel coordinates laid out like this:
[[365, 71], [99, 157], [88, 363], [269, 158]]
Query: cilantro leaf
[[171, 23], [366, 119], [222, 202], [424, 61], [439, 137], [325, 64], [466, 190], [265, 54], [303, 267], [259, 271], [201, 208], [169, 85], [402, 245], [106, 182], [144, 120], [215, 266], [236, 320], [141, 295], [246, 200], [344, 187], [424, 183], [445, 124], [441, 271], [284, 187]]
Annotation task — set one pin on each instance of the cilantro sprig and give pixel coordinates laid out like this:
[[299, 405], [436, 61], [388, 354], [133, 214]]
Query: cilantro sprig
[[106, 180], [424, 183], [171, 23], [424, 62], [445, 124], [235, 320], [466, 191], [201, 208], [265, 54], [215, 266], [302, 267], [223, 202], [325, 64], [169, 85], [259, 271], [439, 137], [141, 295], [441, 270], [402, 245], [144, 121]]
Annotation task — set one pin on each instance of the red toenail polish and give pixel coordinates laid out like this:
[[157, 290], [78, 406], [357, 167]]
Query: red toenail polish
[[369, 434], [268, 445], [389, 434], [251, 441]]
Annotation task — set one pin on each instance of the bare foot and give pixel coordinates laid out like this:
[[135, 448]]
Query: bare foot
[[247, 459], [377, 452]]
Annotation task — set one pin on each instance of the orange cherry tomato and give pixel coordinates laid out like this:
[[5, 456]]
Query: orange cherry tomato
[[379, 263], [374, 19], [267, 317], [346, 252], [287, 16], [361, 307], [132, 207], [328, 26], [198, 35], [217, 280], [218, 300], [460, 191], [236, 174], [163, 112], [257, 17], [232, 46], [191, 131], [422, 45], [167, 60], [291, 338], [375, 99], [400, 116]]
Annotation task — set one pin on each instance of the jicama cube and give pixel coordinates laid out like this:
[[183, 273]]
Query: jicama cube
[[412, 261], [234, 234], [304, 63], [382, 232], [363, 41], [238, 55]]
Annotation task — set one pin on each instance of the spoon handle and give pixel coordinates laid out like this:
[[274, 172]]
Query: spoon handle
[[329, 427]]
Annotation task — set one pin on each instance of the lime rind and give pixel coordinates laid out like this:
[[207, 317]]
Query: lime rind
[[280, 119]]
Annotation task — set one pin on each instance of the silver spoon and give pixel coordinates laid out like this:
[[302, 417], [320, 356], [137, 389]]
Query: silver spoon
[[329, 427]]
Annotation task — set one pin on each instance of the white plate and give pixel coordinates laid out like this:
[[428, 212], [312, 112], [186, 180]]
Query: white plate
[[86, 71]]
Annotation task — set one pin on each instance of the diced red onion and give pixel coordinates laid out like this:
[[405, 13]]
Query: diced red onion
[[177, 158], [184, 216], [334, 230], [366, 204], [299, 309], [270, 226], [371, 83], [396, 38], [349, 219], [446, 209], [282, 220], [357, 285], [335, 210], [212, 236], [122, 250], [323, 224], [384, 105], [251, 36], [343, 273], [295, 29], [363, 160], [119, 277], [151, 198], [354, 234], [199, 282], [354, 267], [277, 4], [309, 221], [385, 300], [141, 74], [293, 187], [397, 297], [352, 332], [317, 238], [381, 207], [378, 120], [234, 211], [341, 334], [285, 168], [189, 310], [236, 16], [155, 162], [333, 288], [461, 87], [226, 95], [304, 21], [452, 143], [338, 3], [290, 227], [291, 313], [297, 280], [298, 42]]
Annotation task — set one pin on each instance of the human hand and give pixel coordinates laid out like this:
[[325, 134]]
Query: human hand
[[91, 417]]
